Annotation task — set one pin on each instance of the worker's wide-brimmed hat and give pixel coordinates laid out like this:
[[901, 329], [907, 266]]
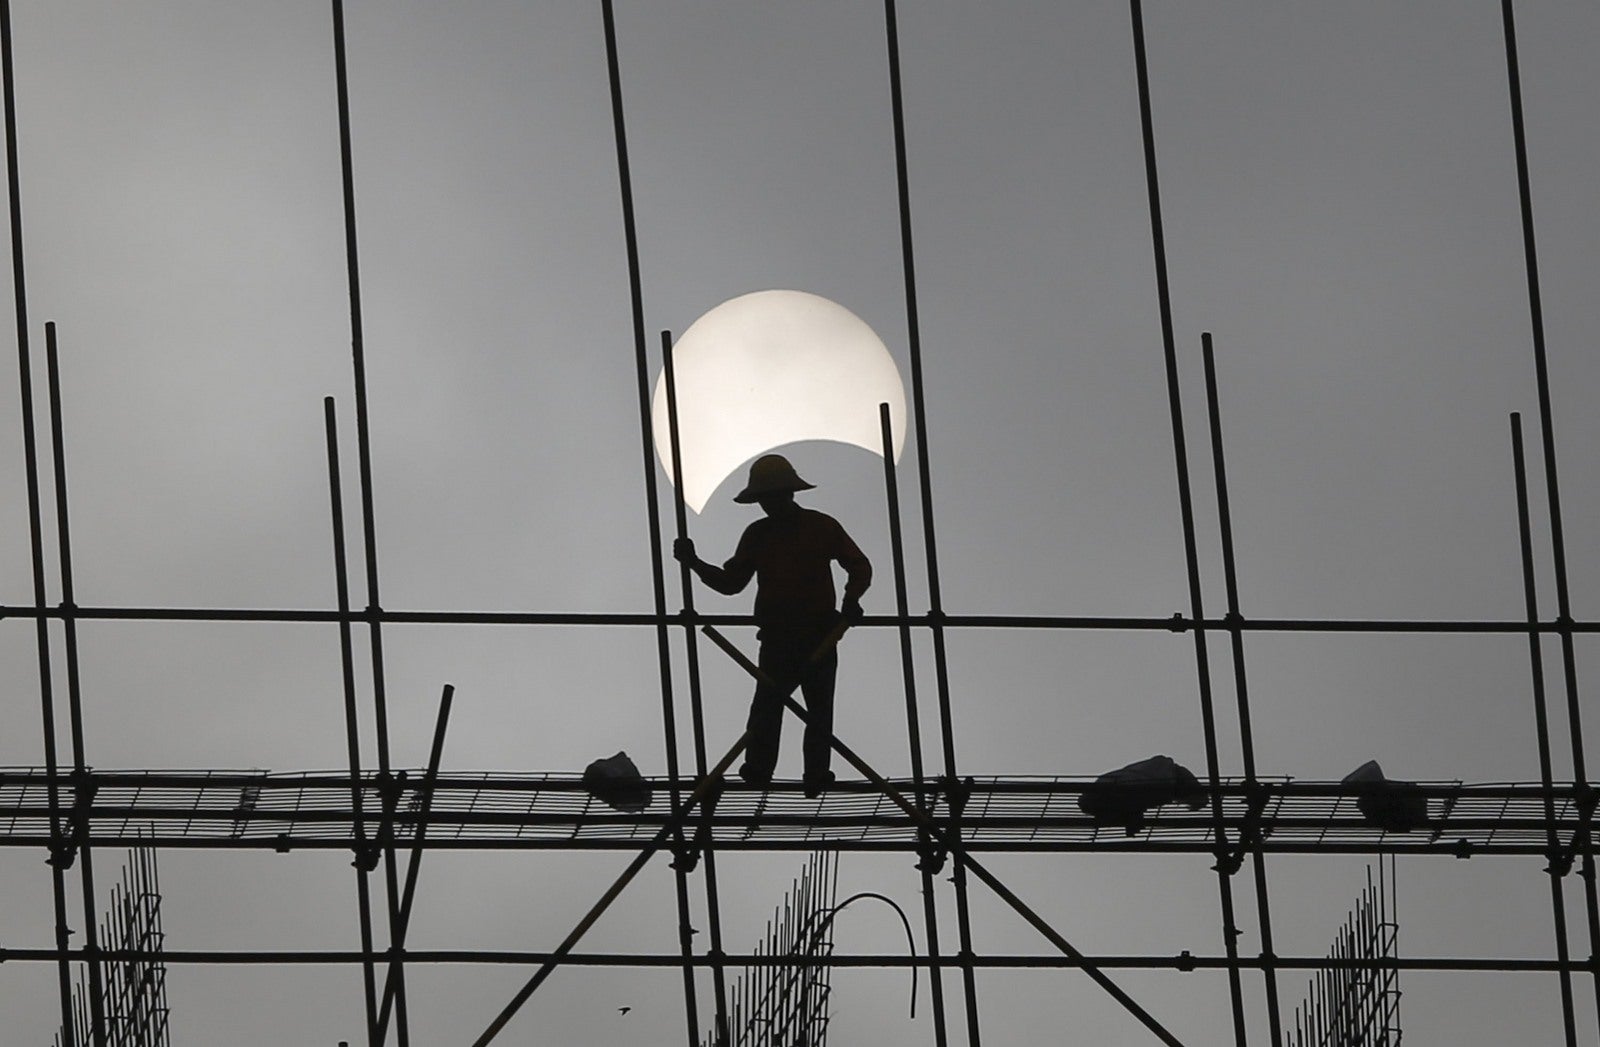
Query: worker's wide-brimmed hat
[[770, 474]]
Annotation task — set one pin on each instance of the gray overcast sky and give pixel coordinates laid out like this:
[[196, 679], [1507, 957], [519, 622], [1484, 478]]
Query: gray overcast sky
[[1341, 209]]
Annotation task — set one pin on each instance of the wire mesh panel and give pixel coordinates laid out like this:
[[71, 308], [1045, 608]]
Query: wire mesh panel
[[1355, 1001], [786, 1004], [296, 809], [134, 982]]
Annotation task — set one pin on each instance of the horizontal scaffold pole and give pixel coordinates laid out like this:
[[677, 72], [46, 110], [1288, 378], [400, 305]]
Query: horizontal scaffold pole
[[996, 961], [1175, 623]]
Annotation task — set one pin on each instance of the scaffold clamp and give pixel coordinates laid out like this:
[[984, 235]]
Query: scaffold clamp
[[62, 854], [1230, 861], [686, 854], [366, 856], [685, 857], [1586, 797]]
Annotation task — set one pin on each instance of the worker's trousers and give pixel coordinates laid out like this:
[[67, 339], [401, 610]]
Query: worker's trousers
[[786, 657]]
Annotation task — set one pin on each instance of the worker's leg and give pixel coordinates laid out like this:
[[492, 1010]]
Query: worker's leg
[[778, 661], [817, 686], [765, 723]]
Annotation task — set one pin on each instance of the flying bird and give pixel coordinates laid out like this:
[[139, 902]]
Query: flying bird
[[624, 1010]]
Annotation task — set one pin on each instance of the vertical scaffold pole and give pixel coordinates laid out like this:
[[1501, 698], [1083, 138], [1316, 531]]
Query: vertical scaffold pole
[[1186, 509], [69, 625], [380, 701], [930, 546], [352, 728], [653, 512], [1241, 689], [30, 452], [419, 838], [930, 908], [1558, 547], [1541, 719], [719, 978]]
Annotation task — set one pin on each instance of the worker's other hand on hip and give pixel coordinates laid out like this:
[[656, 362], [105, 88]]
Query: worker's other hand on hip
[[851, 611], [683, 550]]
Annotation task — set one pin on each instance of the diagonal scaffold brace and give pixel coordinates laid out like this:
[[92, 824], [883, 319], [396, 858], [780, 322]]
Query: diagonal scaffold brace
[[942, 838], [709, 785], [705, 792]]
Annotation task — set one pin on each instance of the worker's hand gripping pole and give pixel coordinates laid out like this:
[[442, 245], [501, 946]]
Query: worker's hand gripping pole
[[703, 789]]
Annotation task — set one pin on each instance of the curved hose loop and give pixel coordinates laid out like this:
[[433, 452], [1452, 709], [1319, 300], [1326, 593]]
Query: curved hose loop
[[911, 942]]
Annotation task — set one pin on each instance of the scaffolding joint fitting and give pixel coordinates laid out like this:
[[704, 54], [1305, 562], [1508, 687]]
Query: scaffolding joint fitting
[[958, 791], [1185, 961], [1177, 623], [62, 854], [1233, 620], [932, 859], [281, 844], [685, 858], [1560, 863], [1228, 862], [372, 614], [1462, 849], [390, 786], [366, 856]]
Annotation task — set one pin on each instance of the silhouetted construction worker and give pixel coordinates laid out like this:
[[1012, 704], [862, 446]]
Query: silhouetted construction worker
[[790, 553]]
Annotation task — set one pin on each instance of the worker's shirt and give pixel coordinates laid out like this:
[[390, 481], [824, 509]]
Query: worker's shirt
[[791, 558]]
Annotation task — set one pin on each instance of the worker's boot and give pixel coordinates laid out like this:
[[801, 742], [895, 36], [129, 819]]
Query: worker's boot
[[816, 784]]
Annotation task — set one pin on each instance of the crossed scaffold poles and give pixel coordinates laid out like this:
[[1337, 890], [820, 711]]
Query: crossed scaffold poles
[[705, 793]]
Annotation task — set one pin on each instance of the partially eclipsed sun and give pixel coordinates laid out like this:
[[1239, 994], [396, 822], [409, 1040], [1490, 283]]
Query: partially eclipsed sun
[[768, 369]]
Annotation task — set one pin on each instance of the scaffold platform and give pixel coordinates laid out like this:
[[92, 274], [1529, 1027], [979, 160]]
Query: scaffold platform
[[508, 810]]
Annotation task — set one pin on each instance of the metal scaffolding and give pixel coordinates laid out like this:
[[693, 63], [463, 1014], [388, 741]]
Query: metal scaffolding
[[389, 817]]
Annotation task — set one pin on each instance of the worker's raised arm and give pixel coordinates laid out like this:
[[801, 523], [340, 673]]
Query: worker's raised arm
[[728, 579]]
